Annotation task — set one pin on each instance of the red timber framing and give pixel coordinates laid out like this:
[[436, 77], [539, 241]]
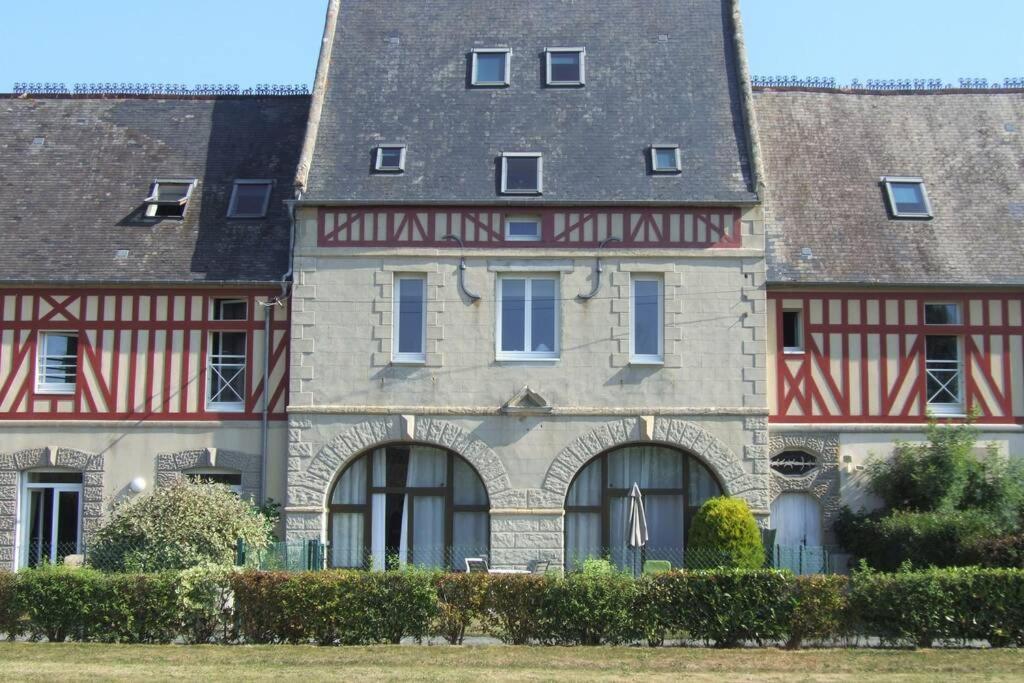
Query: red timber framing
[[863, 358], [674, 227], [142, 355]]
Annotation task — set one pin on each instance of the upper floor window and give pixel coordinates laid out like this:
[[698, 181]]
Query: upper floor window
[[792, 331], [565, 66], [389, 159], [943, 374], [227, 356], [527, 318], [522, 228], [522, 173], [250, 199], [492, 66], [410, 336], [57, 363], [647, 307], [907, 197], [942, 314], [169, 198], [666, 159]]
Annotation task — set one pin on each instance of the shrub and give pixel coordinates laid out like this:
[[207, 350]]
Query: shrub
[[59, 600], [818, 609], [726, 526], [12, 608], [178, 526], [258, 605], [590, 608], [461, 600], [132, 608], [205, 601], [728, 607], [940, 539], [1001, 551], [516, 607]]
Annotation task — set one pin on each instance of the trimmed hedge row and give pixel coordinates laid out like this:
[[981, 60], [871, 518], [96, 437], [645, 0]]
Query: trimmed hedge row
[[723, 608]]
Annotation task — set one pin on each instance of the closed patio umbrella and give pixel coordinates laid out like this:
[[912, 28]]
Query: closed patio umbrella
[[637, 522]]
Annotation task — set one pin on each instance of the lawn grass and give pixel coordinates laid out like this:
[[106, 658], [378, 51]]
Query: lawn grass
[[43, 661]]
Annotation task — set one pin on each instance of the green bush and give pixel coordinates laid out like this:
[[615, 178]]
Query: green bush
[[258, 604], [590, 608], [818, 610], [515, 606], [925, 539], [1001, 551], [59, 601], [182, 525], [729, 607], [12, 608], [132, 608], [204, 601], [726, 527], [461, 601]]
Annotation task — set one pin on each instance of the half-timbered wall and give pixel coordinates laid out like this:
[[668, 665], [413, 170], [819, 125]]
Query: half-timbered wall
[[484, 227], [864, 356], [141, 354]]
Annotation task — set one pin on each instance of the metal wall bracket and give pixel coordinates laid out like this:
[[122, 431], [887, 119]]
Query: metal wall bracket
[[598, 269], [462, 269]]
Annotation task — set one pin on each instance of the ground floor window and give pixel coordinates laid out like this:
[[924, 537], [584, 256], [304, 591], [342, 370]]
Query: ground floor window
[[673, 485], [233, 480], [401, 505], [52, 517]]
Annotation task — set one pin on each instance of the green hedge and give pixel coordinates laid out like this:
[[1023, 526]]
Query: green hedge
[[724, 608]]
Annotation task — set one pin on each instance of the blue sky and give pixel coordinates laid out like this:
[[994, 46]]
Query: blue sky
[[276, 41]]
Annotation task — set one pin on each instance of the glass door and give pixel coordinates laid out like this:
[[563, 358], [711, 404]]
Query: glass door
[[52, 517]]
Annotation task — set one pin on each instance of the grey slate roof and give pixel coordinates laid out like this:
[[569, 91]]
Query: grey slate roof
[[67, 206], [824, 155], [657, 71]]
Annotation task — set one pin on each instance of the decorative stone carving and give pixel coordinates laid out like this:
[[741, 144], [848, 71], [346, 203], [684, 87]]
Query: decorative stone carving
[[526, 402], [172, 466]]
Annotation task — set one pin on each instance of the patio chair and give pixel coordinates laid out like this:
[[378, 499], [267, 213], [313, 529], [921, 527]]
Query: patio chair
[[477, 565], [541, 567], [657, 566]]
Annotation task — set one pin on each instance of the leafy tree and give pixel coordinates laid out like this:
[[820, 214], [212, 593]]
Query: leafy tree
[[179, 526], [727, 527]]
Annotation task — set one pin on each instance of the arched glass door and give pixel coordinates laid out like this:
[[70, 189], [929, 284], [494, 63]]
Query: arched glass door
[[399, 505], [674, 485]]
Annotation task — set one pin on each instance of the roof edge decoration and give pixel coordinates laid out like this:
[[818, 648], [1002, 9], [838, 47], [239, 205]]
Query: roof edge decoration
[[316, 104]]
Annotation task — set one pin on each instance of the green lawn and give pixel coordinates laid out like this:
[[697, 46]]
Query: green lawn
[[41, 661]]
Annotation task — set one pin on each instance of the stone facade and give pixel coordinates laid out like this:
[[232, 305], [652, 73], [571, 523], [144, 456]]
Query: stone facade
[[172, 466], [822, 482]]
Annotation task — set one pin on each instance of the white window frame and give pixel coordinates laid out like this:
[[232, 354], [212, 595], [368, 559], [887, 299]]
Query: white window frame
[[509, 237], [396, 355], [212, 404], [228, 300], [505, 156], [43, 387], [476, 83], [801, 346], [955, 409], [153, 200], [959, 313], [888, 182], [378, 159], [233, 209], [647, 359], [552, 355], [654, 159], [549, 81], [22, 542]]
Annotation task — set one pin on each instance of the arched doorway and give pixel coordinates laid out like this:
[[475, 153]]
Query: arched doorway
[[674, 486], [408, 504]]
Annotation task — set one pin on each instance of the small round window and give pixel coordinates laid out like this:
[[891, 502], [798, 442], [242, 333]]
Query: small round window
[[794, 463]]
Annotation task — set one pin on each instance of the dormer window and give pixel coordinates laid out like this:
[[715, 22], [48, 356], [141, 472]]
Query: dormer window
[[492, 67], [169, 198], [565, 66], [907, 197], [522, 173], [389, 159], [666, 159], [250, 199]]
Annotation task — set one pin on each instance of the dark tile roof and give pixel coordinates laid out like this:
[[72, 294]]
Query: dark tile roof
[[657, 71], [67, 206], [824, 155]]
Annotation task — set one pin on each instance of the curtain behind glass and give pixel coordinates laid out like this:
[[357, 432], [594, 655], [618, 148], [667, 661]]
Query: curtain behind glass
[[469, 537], [582, 537], [702, 485], [351, 488], [648, 466], [347, 541], [428, 547], [378, 511], [469, 490], [586, 488]]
